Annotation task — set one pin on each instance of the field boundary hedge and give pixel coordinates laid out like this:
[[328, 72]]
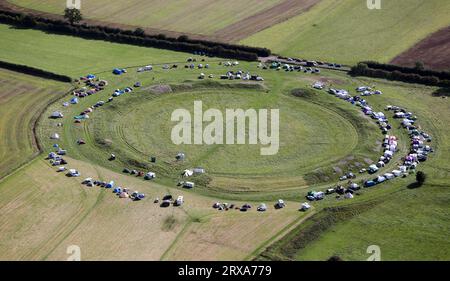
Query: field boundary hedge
[[134, 37], [297, 239], [35, 72], [399, 73]]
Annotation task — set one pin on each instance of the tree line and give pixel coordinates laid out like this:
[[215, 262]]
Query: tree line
[[398, 73], [35, 71], [135, 37]]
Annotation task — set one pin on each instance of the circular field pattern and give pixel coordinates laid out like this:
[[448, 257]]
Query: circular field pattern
[[311, 137]]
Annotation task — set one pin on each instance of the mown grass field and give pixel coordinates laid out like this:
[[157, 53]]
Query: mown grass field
[[348, 32], [22, 100], [43, 212], [198, 17], [74, 57]]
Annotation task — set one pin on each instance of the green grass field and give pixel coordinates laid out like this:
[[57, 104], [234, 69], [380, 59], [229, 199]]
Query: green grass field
[[43, 212], [72, 56], [348, 32], [22, 100], [198, 17]]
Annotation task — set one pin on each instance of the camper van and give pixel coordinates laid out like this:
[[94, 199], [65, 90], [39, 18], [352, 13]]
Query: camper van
[[188, 184], [179, 201]]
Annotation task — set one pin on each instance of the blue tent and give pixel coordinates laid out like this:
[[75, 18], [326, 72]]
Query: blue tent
[[117, 190], [90, 76], [369, 183], [74, 101], [117, 71], [141, 196], [55, 145], [110, 184]]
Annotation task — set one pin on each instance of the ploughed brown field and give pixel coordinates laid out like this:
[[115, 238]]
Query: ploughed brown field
[[264, 19], [433, 51]]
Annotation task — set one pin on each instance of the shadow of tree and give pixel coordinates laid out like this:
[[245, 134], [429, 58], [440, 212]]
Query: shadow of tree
[[414, 185]]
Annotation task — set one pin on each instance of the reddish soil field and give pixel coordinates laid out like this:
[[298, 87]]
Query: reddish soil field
[[264, 19], [433, 51]]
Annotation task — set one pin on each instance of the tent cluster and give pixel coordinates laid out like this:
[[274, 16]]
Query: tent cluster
[[290, 68], [418, 152], [56, 159], [390, 142], [92, 86], [238, 75], [146, 176], [145, 68], [279, 204], [117, 190], [168, 200], [367, 91]]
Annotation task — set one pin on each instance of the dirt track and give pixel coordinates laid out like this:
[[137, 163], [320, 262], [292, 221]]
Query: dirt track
[[264, 19], [433, 51]]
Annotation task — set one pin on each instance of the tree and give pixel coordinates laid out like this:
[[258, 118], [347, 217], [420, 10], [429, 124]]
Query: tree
[[73, 15], [421, 177], [419, 65], [183, 38], [139, 32], [335, 258]]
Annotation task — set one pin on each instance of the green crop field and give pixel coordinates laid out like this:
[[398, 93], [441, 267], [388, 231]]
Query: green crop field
[[22, 100], [71, 56], [198, 17], [42, 212], [348, 32]]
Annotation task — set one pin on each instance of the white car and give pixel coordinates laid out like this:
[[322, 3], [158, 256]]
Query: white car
[[305, 206]]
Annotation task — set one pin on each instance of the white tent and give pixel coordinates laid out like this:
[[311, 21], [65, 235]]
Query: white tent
[[188, 173], [150, 175], [305, 206], [57, 114], [55, 136]]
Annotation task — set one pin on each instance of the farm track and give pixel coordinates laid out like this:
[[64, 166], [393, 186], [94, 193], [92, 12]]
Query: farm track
[[264, 19]]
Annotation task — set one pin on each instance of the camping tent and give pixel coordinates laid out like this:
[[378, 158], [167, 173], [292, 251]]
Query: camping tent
[[57, 114], [188, 173], [150, 175], [262, 208], [348, 195], [110, 184], [55, 136], [124, 195], [118, 71]]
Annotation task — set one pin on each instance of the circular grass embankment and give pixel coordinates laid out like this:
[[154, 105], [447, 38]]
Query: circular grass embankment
[[311, 137]]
